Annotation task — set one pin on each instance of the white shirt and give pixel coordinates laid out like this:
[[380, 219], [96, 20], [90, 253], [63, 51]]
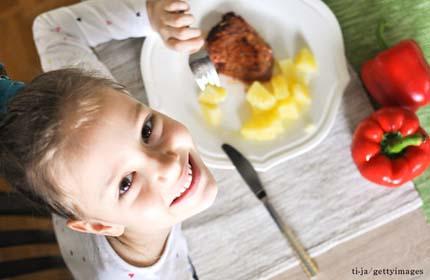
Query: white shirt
[[64, 38], [90, 257]]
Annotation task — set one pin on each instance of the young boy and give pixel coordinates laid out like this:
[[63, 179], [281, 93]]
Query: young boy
[[119, 176]]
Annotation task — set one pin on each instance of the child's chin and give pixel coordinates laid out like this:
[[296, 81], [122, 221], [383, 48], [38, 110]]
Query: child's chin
[[207, 200], [209, 196], [211, 189]]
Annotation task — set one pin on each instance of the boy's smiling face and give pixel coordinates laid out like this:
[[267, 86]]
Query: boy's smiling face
[[135, 168]]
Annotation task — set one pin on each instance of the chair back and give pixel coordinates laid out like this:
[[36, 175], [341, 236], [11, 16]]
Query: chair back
[[28, 247]]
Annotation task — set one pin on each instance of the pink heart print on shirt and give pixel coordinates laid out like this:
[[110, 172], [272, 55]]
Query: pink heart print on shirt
[[131, 275]]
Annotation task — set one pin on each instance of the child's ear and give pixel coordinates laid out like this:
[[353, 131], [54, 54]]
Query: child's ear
[[95, 227]]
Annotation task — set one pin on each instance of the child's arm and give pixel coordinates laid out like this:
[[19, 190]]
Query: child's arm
[[64, 37]]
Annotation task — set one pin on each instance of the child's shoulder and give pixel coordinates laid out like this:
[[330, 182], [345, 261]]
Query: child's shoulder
[[81, 251], [90, 256]]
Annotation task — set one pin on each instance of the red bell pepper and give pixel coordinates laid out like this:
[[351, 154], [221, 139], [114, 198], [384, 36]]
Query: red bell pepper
[[398, 76], [390, 148]]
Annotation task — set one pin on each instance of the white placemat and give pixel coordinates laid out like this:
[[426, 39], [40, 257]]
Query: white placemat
[[320, 194]]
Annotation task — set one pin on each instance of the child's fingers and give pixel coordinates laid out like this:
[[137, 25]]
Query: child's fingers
[[183, 33], [187, 46], [177, 19], [176, 6]]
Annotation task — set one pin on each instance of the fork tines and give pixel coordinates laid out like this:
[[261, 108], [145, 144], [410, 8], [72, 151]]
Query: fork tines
[[203, 69]]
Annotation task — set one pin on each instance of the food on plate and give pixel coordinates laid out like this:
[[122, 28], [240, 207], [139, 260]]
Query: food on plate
[[288, 69], [390, 148], [278, 91], [211, 113], [280, 87], [305, 61], [262, 126], [212, 95], [288, 109], [259, 97], [300, 92], [209, 100], [282, 100], [301, 68], [238, 51]]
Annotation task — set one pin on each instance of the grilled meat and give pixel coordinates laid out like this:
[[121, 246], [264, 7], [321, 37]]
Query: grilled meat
[[238, 51]]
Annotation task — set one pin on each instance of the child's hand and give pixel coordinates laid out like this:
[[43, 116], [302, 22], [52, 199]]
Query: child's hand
[[171, 19]]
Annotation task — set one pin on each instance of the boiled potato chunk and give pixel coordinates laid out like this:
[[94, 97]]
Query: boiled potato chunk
[[284, 98], [212, 95], [291, 73], [287, 109], [280, 87], [258, 96], [300, 93], [288, 69], [305, 61], [256, 111], [211, 113], [262, 127]]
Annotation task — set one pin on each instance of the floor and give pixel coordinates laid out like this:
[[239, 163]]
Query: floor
[[17, 50]]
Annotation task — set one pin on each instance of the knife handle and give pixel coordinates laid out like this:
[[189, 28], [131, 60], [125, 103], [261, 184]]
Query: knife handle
[[308, 264]]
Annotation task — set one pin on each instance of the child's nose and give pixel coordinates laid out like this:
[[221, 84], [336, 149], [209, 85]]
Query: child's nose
[[168, 166]]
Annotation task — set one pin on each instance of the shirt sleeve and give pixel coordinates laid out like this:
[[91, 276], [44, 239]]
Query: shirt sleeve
[[64, 37]]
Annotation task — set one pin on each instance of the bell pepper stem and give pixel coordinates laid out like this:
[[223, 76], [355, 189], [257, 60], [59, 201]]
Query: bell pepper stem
[[380, 34], [398, 145]]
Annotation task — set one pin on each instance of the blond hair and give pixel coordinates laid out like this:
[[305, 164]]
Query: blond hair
[[40, 122]]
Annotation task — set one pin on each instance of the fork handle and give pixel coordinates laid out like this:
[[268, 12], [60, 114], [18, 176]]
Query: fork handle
[[308, 264]]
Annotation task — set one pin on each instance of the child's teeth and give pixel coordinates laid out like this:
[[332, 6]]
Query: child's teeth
[[188, 182]]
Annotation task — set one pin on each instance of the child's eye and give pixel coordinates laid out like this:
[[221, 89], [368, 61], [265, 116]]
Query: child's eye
[[147, 129], [125, 184]]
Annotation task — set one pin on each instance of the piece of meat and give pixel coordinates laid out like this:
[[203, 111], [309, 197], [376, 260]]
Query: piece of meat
[[238, 51]]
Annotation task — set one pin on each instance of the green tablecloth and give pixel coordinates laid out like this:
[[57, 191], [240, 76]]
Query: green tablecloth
[[405, 19]]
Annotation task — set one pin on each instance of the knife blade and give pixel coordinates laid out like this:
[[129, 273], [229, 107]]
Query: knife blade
[[250, 176]]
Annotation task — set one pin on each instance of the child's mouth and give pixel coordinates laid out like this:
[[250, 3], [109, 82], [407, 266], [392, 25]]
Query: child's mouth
[[190, 185]]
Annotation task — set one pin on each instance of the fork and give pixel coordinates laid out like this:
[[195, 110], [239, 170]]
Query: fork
[[203, 69]]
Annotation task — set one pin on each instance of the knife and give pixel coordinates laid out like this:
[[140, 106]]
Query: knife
[[250, 176]]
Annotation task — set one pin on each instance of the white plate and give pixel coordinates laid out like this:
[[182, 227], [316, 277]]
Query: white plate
[[287, 25]]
